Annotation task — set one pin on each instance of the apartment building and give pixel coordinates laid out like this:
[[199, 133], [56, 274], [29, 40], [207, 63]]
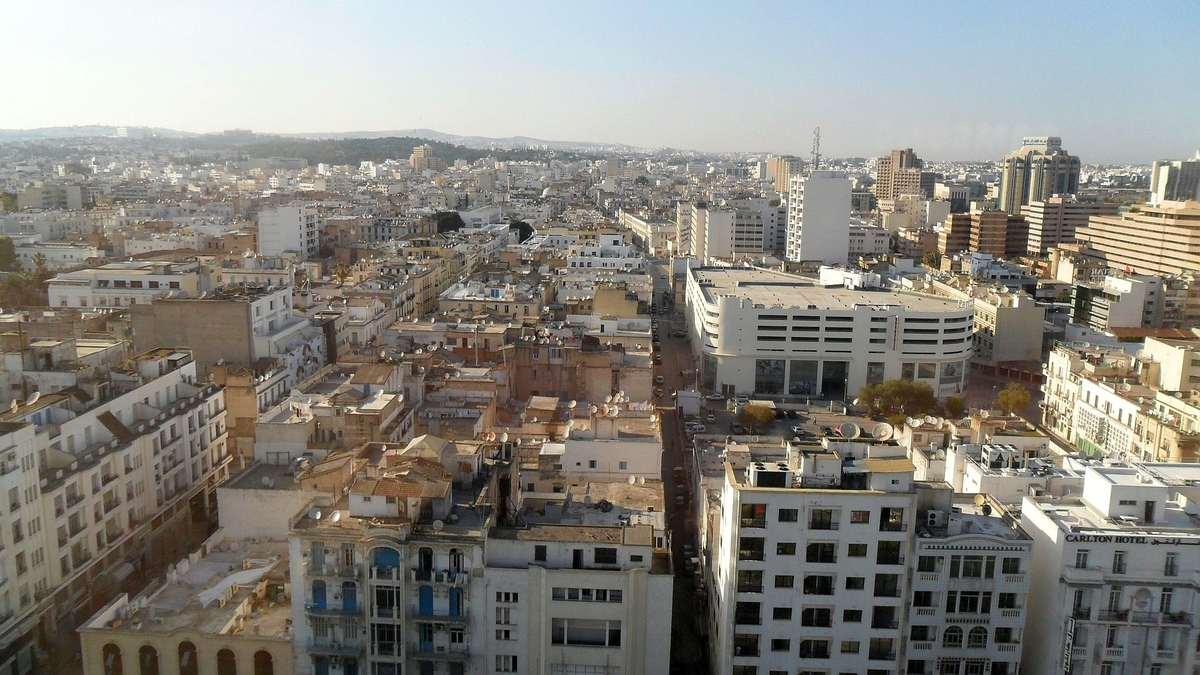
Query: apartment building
[[778, 334], [608, 252], [295, 229], [899, 173], [1126, 301], [1008, 325], [1110, 589], [582, 368], [1177, 180], [741, 228], [653, 235], [1146, 239], [104, 493], [513, 302], [818, 226], [782, 169], [1054, 221], [124, 284], [1040, 169], [868, 240], [895, 575]]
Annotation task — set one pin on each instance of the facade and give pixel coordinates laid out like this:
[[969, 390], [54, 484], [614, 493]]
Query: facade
[[818, 228], [1175, 181], [1008, 325], [1054, 221], [869, 240], [833, 559], [1110, 591], [899, 173], [654, 236], [295, 229], [777, 334], [782, 169], [1127, 301], [1163, 239], [123, 284], [1040, 169]]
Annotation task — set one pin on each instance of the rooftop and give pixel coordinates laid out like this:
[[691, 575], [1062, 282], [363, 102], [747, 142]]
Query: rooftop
[[787, 291]]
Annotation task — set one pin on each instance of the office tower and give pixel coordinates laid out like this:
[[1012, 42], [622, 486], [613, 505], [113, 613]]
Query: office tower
[[781, 170], [819, 218], [1036, 172], [955, 234], [1055, 221], [1163, 239], [1176, 181], [899, 173]]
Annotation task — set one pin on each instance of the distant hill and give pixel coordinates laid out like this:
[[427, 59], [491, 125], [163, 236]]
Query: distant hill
[[355, 150], [88, 131]]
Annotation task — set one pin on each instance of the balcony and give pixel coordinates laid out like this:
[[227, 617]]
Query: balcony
[[1114, 654], [893, 527], [750, 554], [928, 576], [439, 653], [348, 647], [1178, 618], [823, 525], [749, 588], [747, 620], [1007, 648], [110, 504], [75, 528], [754, 522], [746, 650], [889, 560], [886, 624], [881, 655], [1082, 613], [443, 577], [337, 571], [331, 610], [1083, 575], [440, 617], [107, 478], [388, 574]]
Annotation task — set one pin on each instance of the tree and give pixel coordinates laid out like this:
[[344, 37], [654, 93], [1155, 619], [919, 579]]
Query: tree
[[1014, 398], [40, 270], [955, 407], [524, 229], [8, 256], [342, 272], [641, 180], [892, 398], [448, 221], [932, 259], [8, 202], [756, 417]]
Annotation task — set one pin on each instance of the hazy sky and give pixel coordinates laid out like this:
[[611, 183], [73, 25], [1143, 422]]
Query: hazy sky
[[1119, 82]]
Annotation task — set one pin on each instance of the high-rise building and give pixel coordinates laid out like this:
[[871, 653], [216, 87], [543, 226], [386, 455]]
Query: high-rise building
[[1036, 172], [1055, 221], [899, 173], [955, 234], [819, 218], [422, 159], [1175, 180], [781, 169], [295, 229], [1147, 239]]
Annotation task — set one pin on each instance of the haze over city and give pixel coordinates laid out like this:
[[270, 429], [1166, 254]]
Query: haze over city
[[959, 81]]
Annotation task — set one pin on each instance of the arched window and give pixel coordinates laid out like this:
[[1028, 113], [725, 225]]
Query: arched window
[[977, 638], [226, 663], [187, 659], [952, 637], [264, 663], [148, 660], [383, 558], [112, 660], [425, 559], [425, 600]]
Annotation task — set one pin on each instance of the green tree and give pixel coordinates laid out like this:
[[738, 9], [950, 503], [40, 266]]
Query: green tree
[[448, 221], [932, 259], [756, 417], [8, 256], [892, 398], [342, 272], [40, 270], [524, 229], [955, 407], [1014, 398], [8, 201], [641, 180]]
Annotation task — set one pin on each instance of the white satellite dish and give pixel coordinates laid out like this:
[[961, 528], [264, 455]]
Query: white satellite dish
[[850, 430], [882, 431], [335, 516], [12, 407], [438, 525], [632, 480], [504, 437], [314, 513], [572, 404], [34, 399]]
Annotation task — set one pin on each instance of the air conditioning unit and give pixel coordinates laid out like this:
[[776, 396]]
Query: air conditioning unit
[[335, 662], [935, 518]]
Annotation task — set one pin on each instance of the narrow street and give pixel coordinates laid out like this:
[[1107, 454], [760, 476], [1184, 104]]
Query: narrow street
[[689, 654]]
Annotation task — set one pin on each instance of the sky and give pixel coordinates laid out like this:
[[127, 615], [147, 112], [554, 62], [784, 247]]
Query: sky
[[1118, 82]]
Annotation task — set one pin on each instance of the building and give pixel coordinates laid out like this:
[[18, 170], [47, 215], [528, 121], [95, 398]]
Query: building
[[1109, 591], [654, 236], [290, 229], [955, 234], [818, 227], [1054, 221], [868, 240], [513, 302], [1040, 169], [1146, 239], [1008, 325], [1175, 181], [777, 334], [899, 173], [422, 159], [833, 559], [124, 284], [224, 609], [1126, 301], [782, 169]]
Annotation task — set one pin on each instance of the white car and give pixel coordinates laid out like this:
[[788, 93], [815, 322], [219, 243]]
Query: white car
[[715, 397], [711, 418], [697, 428], [658, 379]]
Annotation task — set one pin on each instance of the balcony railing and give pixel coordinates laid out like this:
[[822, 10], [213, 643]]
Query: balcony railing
[[440, 617], [881, 655], [749, 588], [754, 522], [348, 647], [750, 554], [107, 478], [1084, 613], [73, 499], [425, 651], [747, 619], [332, 609]]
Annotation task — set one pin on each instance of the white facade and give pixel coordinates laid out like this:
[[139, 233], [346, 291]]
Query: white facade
[[123, 284], [779, 335], [869, 240], [290, 228], [610, 252], [819, 218], [57, 256]]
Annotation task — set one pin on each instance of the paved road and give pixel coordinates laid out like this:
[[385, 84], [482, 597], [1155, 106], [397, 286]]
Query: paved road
[[689, 653]]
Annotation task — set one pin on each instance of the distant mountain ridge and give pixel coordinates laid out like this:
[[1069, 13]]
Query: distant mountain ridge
[[479, 142]]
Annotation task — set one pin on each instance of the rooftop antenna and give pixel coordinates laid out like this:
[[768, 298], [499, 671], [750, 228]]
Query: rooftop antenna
[[816, 150]]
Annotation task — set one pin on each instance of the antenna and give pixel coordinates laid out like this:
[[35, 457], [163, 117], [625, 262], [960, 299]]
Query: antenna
[[816, 150]]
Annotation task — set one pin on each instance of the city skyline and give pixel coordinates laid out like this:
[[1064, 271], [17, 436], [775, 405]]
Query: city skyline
[[665, 76]]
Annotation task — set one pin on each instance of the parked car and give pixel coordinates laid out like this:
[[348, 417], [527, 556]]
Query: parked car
[[658, 379], [715, 397], [828, 431], [736, 428], [680, 333], [710, 418], [793, 415], [779, 414], [742, 398], [799, 431], [658, 359]]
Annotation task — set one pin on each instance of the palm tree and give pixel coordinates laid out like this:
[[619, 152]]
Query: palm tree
[[342, 272]]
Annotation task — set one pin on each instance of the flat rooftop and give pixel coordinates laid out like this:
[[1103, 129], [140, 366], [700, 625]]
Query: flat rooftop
[[775, 290]]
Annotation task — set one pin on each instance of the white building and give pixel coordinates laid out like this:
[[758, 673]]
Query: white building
[[294, 228], [609, 252], [832, 559], [778, 334], [869, 240], [121, 284], [56, 255], [819, 218], [1112, 570]]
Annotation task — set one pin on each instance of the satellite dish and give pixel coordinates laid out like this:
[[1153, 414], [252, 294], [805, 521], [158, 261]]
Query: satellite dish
[[883, 431], [632, 480], [34, 399], [850, 430], [504, 437], [608, 399], [940, 454], [314, 513], [983, 414], [12, 407], [572, 404], [335, 516], [266, 481], [980, 500], [438, 525]]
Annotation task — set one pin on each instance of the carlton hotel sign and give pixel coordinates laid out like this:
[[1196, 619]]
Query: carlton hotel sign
[[1132, 539]]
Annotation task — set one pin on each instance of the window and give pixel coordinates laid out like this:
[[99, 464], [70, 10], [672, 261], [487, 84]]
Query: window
[[857, 551], [1081, 558], [821, 519], [953, 637], [852, 616], [922, 598], [748, 613], [539, 553], [818, 585], [1171, 567], [784, 581], [891, 519], [605, 556], [1011, 566], [1118, 566], [1164, 600], [785, 548], [506, 663], [591, 463], [977, 638], [781, 613], [754, 515], [856, 583], [819, 617], [505, 596], [503, 634], [927, 563], [860, 517], [1007, 601], [622, 465], [781, 645], [504, 616], [586, 632], [850, 646], [814, 649], [821, 552], [749, 581], [789, 515]]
